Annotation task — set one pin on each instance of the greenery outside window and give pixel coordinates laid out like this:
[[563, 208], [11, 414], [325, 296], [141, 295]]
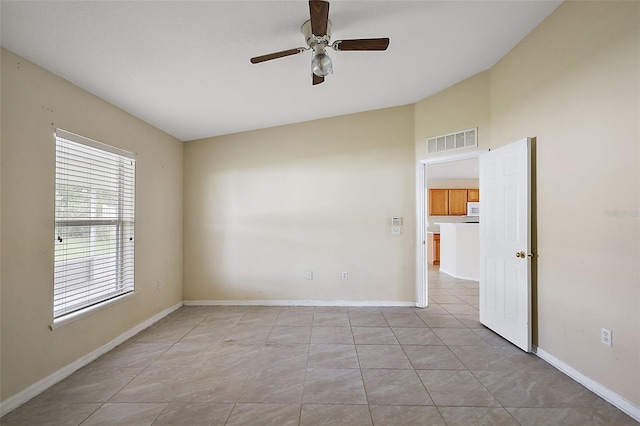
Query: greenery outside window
[[94, 223]]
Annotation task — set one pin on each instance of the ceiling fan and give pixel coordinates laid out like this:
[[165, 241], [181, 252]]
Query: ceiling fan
[[317, 34]]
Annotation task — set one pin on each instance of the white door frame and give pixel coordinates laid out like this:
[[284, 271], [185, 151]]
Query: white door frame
[[422, 299]]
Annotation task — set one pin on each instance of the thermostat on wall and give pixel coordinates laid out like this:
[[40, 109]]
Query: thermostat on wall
[[396, 221]]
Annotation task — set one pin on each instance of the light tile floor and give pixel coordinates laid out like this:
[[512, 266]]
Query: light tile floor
[[321, 366]]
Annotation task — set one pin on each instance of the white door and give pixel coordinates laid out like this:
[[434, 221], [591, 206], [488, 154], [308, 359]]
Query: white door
[[505, 242]]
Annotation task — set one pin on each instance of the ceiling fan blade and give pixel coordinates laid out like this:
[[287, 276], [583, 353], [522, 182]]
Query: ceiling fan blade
[[277, 55], [362, 44], [316, 79], [319, 14]]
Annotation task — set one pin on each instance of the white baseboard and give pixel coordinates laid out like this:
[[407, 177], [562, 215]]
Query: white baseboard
[[595, 387], [40, 386], [356, 303]]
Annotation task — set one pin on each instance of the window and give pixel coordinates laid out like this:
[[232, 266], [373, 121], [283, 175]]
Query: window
[[94, 223]]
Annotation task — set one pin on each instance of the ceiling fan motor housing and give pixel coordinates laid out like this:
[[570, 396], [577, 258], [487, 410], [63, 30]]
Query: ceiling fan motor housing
[[315, 39], [319, 23]]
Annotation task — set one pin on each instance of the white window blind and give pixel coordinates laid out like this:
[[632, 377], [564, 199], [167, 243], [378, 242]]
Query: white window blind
[[94, 223]]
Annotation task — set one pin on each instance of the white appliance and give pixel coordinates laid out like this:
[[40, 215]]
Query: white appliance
[[473, 208]]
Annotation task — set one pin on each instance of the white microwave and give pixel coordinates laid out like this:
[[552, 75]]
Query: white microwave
[[473, 208]]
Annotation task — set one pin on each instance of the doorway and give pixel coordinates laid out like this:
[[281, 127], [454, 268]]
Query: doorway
[[436, 168]]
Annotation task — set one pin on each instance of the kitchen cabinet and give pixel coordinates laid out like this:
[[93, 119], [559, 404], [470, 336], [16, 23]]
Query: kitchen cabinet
[[433, 248], [451, 202], [457, 202], [438, 202]]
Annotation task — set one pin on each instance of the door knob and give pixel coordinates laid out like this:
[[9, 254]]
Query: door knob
[[521, 255]]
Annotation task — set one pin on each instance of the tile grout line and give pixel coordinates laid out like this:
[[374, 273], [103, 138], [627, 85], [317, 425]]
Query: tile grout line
[[364, 386], [306, 368], [172, 346], [486, 338], [470, 371]]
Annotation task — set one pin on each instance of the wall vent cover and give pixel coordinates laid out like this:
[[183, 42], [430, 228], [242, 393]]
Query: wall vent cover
[[457, 140]]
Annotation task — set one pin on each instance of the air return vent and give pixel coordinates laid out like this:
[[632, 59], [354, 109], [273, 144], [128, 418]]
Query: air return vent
[[451, 141]]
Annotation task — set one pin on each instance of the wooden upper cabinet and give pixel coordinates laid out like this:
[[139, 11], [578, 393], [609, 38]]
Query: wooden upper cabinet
[[457, 202], [451, 202], [438, 202]]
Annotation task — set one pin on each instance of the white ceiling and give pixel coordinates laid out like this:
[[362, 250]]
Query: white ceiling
[[183, 66]]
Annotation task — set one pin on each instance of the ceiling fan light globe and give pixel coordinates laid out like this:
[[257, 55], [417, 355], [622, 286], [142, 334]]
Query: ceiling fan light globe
[[321, 65]]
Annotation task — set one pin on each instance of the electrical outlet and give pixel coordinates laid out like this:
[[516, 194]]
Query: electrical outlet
[[607, 337], [309, 275], [395, 230], [159, 284], [345, 275]]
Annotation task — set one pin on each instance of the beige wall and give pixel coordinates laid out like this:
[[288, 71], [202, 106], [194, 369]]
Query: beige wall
[[34, 103], [459, 107], [574, 83], [263, 207]]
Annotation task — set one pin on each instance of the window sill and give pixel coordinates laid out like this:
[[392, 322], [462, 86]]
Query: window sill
[[66, 319]]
